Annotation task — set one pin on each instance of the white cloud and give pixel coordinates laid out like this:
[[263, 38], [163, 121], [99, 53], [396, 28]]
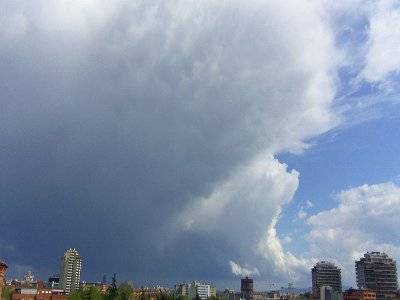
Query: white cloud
[[237, 270], [248, 199], [366, 219], [284, 264], [302, 214], [383, 46], [287, 239], [309, 204]]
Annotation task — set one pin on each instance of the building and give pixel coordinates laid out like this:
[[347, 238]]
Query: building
[[353, 294], [230, 295], [3, 268], [54, 282], [29, 277], [246, 288], [377, 272], [181, 289], [70, 273], [198, 289], [326, 274], [38, 294], [273, 295], [328, 293], [195, 289]]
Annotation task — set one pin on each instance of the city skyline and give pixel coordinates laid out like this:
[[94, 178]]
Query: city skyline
[[323, 274], [199, 140]]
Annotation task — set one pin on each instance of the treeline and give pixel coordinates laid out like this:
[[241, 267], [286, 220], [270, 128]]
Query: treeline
[[122, 292]]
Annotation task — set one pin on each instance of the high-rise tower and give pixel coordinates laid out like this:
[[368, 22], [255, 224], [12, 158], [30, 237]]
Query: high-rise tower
[[326, 274], [70, 273], [246, 288], [377, 272], [3, 268]]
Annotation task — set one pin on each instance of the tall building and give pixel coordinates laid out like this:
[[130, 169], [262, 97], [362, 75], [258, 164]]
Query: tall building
[[326, 274], [70, 273], [246, 288], [3, 268], [377, 272]]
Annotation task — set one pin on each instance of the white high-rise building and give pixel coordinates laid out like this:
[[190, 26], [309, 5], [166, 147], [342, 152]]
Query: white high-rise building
[[326, 273], [376, 271], [199, 289], [194, 289], [70, 273]]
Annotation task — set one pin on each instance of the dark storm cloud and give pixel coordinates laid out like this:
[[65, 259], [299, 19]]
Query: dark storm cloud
[[115, 116]]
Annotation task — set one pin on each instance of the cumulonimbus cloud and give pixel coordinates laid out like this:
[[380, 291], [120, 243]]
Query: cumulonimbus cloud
[[154, 126]]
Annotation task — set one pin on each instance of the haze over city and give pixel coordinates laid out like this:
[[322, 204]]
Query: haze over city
[[173, 141]]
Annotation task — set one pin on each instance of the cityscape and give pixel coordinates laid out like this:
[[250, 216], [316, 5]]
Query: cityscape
[[376, 279], [199, 149]]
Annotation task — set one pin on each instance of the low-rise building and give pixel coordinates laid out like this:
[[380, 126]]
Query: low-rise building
[[195, 289], [38, 294], [329, 293], [3, 268], [353, 294], [231, 295]]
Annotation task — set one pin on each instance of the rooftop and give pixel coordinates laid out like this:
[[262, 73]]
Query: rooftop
[[3, 264]]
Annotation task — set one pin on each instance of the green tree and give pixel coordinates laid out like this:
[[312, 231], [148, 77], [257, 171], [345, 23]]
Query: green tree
[[112, 292], [7, 293], [125, 291], [95, 293], [183, 297], [76, 295], [87, 293]]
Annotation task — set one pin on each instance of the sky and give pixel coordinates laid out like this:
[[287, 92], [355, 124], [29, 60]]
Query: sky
[[170, 141]]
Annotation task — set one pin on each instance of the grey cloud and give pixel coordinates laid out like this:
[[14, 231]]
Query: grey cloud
[[116, 117]]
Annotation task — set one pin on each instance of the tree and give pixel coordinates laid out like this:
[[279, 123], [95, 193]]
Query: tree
[[87, 293], [181, 297], [112, 292], [7, 293], [125, 291]]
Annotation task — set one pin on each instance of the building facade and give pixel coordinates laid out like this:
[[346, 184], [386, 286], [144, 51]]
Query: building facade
[[230, 295], [246, 288], [38, 294], [3, 268], [181, 289], [202, 290], [326, 274], [328, 293], [54, 282], [70, 273], [377, 272], [195, 289], [353, 294]]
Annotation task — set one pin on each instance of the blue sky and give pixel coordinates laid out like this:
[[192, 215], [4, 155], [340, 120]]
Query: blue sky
[[180, 140], [365, 153]]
